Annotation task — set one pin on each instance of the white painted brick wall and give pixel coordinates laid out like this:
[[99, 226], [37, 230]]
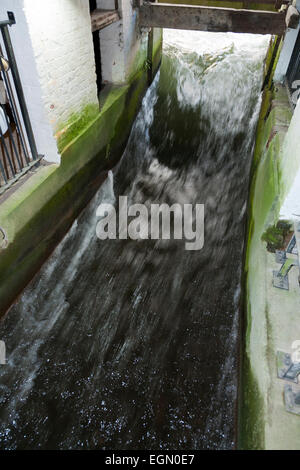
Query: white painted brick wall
[[61, 36]]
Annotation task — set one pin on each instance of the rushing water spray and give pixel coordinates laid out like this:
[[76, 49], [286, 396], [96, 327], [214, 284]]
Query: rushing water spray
[[122, 344]]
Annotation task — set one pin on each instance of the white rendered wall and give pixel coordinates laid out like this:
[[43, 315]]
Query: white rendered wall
[[112, 53], [107, 4], [62, 41], [121, 43], [286, 51], [25, 57], [291, 168]]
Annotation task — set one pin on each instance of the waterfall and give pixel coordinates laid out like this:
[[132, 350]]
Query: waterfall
[[123, 344]]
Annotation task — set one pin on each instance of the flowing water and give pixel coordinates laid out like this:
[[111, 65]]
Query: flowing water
[[123, 344]]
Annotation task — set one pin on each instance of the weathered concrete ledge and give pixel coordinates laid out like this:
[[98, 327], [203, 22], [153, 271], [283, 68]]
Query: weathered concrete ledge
[[38, 214]]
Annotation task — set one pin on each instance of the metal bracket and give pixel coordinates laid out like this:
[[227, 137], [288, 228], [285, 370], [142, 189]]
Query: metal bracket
[[11, 20]]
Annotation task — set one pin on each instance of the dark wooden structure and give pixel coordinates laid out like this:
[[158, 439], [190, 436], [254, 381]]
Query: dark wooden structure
[[213, 19], [102, 18]]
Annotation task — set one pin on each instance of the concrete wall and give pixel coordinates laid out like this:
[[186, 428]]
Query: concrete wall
[[272, 311], [272, 323], [37, 214], [286, 51], [112, 56], [123, 44]]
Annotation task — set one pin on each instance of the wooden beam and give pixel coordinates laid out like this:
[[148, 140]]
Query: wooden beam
[[200, 2], [265, 5], [214, 19], [102, 18]]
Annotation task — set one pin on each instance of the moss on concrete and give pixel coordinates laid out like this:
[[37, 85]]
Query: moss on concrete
[[262, 195], [139, 58], [157, 47], [77, 122], [264, 205], [41, 211]]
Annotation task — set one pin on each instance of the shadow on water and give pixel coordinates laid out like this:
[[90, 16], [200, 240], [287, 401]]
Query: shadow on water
[[123, 344]]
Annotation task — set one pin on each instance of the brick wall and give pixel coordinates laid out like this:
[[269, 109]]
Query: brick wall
[[61, 36]]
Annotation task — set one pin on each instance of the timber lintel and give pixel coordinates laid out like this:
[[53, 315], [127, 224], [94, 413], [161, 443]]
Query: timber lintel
[[213, 19]]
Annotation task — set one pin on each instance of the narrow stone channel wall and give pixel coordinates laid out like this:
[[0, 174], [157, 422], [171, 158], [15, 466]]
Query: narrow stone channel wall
[[36, 215], [271, 322]]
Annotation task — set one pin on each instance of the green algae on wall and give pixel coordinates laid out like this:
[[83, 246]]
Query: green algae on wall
[[263, 211], [137, 62], [67, 131], [75, 124], [157, 47], [42, 210]]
